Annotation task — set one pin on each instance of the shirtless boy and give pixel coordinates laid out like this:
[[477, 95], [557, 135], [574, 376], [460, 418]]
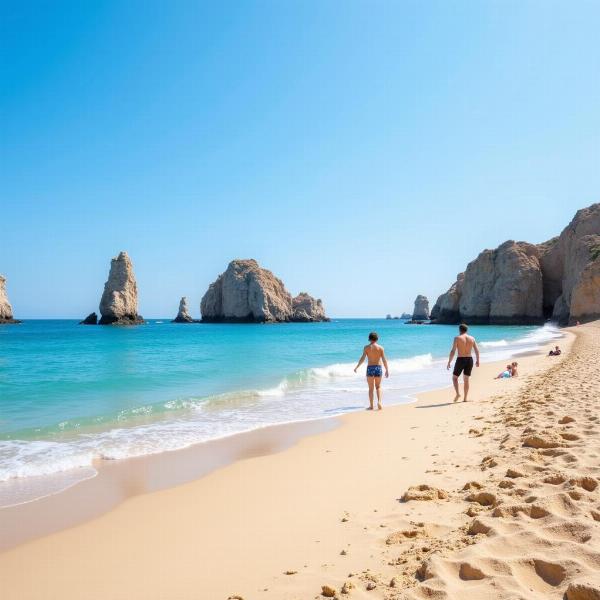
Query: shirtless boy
[[463, 344], [375, 355]]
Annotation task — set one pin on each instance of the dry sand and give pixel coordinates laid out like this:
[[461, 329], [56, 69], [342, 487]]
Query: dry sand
[[512, 509]]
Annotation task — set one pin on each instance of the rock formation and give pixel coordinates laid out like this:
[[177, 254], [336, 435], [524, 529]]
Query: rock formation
[[247, 293], [306, 309], [91, 319], [421, 309], [405, 315], [521, 283], [446, 309], [183, 316], [571, 266], [6, 313], [119, 303]]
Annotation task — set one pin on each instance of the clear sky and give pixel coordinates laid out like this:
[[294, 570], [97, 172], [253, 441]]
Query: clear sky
[[362, 151]]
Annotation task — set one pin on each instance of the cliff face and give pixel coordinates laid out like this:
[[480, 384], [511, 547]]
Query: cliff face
[[245, 292], [119, 302], [6, 312], [521, 283], [570, 265]]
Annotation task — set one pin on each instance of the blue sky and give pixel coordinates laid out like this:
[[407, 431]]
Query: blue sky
[[363, 151]]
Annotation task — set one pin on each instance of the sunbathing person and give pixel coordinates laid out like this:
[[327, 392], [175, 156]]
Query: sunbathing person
[[555, 352], [505, 374]]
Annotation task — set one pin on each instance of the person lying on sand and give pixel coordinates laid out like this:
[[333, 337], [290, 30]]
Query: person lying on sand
[[375, 355], [463, 344], [555, 352], [505, 374]]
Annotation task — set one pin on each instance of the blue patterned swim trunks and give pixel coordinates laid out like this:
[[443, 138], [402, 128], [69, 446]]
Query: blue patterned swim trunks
[[374, 371]]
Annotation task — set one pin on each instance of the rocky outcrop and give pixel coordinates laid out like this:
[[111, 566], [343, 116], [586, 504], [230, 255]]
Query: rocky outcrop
[[183, 315], [119, 302], [91, 319], [405, 316], [421, 309], [6, 312], [245, 292], [306, 309], [521, 283]]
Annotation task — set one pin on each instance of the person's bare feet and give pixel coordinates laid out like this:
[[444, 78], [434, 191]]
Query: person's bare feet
[[456, 397], [379, 407], [370, 408]]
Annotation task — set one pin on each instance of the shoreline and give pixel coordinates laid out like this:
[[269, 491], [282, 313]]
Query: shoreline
[[118, 482], [54, 468]]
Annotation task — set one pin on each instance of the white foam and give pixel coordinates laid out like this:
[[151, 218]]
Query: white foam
[[496, 344], [398, 365]]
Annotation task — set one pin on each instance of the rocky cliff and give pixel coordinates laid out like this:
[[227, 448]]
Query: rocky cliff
[[521, 283], [307, 309], [421, 309], [183, 315], [245, 292], [6, 312], [119, 302]]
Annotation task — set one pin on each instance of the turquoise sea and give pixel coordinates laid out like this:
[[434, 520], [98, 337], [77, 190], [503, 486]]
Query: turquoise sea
[[71, 394]]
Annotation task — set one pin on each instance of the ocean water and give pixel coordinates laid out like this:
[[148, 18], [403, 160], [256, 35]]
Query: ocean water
[[71, 394]]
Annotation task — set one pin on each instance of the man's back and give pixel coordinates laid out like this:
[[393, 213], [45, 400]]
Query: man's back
[[464, 344], [374, 353]]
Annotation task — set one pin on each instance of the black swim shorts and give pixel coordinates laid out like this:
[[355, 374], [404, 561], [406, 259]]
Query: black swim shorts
[[463, 363]]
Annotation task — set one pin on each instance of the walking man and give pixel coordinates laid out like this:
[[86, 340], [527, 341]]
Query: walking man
[[464, 344], [375, 355]]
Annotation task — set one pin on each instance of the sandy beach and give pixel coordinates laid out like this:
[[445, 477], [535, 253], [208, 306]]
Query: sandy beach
[[511, 508]]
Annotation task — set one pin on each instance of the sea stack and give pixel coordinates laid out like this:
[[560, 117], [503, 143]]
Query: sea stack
[[421, 309], [119, 303], [183, 315], [247, 293], [520, 283], [6, 312]]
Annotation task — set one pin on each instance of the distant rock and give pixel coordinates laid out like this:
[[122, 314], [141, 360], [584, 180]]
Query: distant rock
[[245, 292], [6, 312], [306, 309], [388, 317], [91, 319], [405, 316], [119, 302], [183, 316], [521, 283], [421, 310]]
